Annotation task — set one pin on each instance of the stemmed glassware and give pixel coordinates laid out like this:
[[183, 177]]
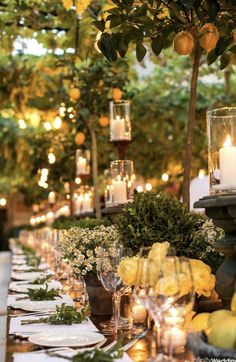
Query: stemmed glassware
[[110, 279], [164, 286]]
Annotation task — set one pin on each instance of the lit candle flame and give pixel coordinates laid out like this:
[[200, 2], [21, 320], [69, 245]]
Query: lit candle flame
[[228, 141]]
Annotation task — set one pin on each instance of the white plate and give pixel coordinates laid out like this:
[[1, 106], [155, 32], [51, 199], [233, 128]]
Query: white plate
[[29, 276], [39, 306], [66, 339], [23, 288]]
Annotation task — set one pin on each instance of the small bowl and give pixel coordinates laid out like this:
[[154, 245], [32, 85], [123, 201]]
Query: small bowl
[[197, 342]]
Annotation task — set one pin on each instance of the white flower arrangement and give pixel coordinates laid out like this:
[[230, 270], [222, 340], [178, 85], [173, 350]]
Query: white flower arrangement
[[80, 247]]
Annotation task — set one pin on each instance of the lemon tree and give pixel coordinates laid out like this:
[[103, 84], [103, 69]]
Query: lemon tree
[[195, 26]]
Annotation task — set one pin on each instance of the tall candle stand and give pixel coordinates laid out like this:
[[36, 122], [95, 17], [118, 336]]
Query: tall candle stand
[[220, 206]]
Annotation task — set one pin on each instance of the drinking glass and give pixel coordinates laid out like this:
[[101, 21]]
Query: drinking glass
[[111, 281]]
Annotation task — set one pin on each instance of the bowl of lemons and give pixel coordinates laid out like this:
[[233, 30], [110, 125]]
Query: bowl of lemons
[[213, 335]]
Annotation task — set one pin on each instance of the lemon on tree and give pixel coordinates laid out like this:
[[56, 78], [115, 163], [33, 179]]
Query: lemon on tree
[[183, 43], [74, 94], [116, 94], [79, 138], [103, 121], [208, 37]]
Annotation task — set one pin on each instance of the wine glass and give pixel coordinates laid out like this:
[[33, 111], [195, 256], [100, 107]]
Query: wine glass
[[175, 320], [110, 279]]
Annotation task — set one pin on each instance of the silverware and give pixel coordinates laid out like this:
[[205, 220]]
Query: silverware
[[134, 340], [109, 346]]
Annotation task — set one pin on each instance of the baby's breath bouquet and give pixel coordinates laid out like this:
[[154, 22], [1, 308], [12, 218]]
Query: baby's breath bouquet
[[80, 247]]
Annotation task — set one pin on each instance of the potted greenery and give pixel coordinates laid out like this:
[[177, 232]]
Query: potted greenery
[[80, 247], [161, 217]]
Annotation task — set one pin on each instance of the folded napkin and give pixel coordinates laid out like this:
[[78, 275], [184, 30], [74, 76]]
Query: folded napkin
[[42, 305], [25, 267], [43, 357], [21, 287], [16, 327]]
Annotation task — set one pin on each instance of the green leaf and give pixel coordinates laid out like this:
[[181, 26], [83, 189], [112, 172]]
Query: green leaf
[[115, 20], [140, 51], [106, 45], [141, 10], [122, 46], [221, 45], [233, 49], [211, 57], [212, 8], [100, 25], [224, 61], [157, 44]]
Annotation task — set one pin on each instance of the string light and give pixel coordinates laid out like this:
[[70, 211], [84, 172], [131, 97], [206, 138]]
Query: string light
[[62, 111], [3, 201], [22, 124], [165, 177], [140, 188], [78, 180], [51, 158], [47, 126], [148, 187], [57, 122], [70, 109]]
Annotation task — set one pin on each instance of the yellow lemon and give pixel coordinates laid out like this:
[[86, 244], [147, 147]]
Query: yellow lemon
[[223, 334], [199, 322], [103, 121], [209, 36], [183, 43], [79, 138], [74, 94], [67, 4], [116, 94]]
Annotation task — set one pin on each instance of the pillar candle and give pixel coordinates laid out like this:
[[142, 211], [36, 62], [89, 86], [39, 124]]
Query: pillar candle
[[118, 128], [227, 157], [120, 192], [81, 166]]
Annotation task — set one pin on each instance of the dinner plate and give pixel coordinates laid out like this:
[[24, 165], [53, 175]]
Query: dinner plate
[[28, 276], [23, 288], [39, 306], [66, 339]]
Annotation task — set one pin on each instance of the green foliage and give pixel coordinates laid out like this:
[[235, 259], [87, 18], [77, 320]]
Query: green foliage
[[161, 217], [69, 222], [134, 22], [98, 355], [43, 294], [41, 280], [64, 314]]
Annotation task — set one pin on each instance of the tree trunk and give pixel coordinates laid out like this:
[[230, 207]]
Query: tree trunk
[[190, 127], [71, 198], [95, 171]]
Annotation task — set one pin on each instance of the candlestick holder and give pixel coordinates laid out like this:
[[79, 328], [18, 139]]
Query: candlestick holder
[[122, 181], [120, 126], [221, 124]]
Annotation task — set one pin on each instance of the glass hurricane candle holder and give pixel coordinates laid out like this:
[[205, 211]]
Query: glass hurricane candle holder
[[122, 180], [120, 126], [221, 124], [108, 188], [82, 162], [87, 200]]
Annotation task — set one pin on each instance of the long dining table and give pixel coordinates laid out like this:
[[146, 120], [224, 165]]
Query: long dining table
[[9, 344]]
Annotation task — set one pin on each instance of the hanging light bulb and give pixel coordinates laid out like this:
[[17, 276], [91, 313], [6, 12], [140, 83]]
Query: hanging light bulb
[[3, 201], [148, 187], [78, 180], [57, 122], [51, 158], [140, 188]]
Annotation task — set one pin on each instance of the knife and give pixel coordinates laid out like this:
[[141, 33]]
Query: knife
[[134, 340]]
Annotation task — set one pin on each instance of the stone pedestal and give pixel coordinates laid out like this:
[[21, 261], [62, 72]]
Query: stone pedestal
[[222, 210]]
